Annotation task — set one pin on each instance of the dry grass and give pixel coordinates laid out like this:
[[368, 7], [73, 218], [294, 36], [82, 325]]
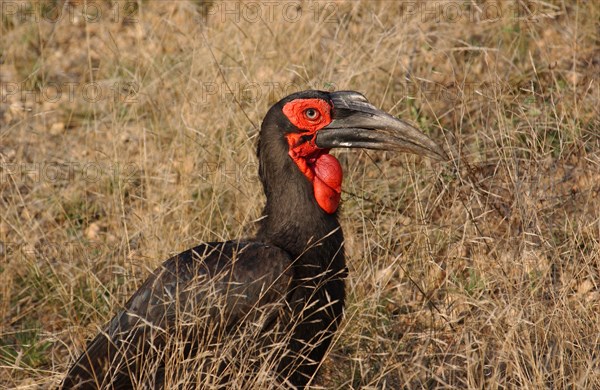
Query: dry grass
[[483, 273]]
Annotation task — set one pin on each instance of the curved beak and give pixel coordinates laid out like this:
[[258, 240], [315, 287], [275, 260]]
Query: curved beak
[[358, 124]]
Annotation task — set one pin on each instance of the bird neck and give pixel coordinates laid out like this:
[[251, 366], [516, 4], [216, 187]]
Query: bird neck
[[313, 239], [292, 218]]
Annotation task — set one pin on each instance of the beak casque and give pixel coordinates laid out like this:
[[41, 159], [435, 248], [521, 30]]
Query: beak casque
[[358, 124]]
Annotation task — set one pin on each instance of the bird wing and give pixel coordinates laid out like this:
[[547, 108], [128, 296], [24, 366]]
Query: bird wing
[[197, 295]]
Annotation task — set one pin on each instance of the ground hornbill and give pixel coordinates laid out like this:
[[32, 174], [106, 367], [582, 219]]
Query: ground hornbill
[[234, 314]]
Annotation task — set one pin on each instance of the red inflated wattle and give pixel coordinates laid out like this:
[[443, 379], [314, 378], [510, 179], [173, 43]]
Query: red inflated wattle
[[329, 170], [327, 198], [327, 183]]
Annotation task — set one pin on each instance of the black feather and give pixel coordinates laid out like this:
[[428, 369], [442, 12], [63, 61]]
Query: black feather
[[286, 286]]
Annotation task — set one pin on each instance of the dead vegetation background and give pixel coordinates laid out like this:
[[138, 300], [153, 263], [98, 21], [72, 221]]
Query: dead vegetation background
[[128, 134]]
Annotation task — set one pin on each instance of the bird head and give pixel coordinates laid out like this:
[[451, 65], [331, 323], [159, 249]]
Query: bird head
[[314, 122]]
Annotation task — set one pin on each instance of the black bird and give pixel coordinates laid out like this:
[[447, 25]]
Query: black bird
[[281, 293]]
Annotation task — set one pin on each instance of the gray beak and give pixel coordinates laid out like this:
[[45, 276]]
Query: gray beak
[[358, 124]]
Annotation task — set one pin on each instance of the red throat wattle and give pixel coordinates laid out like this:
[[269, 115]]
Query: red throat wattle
[[327, 182], [319, 167]]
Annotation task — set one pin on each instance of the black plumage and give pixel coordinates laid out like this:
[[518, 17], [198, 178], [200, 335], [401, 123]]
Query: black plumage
[[273, 301]]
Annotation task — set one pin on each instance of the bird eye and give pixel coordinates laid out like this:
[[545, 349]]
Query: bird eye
[[312, 114]]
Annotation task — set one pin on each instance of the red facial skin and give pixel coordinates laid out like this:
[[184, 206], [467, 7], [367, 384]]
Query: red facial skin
[[320, 168]]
